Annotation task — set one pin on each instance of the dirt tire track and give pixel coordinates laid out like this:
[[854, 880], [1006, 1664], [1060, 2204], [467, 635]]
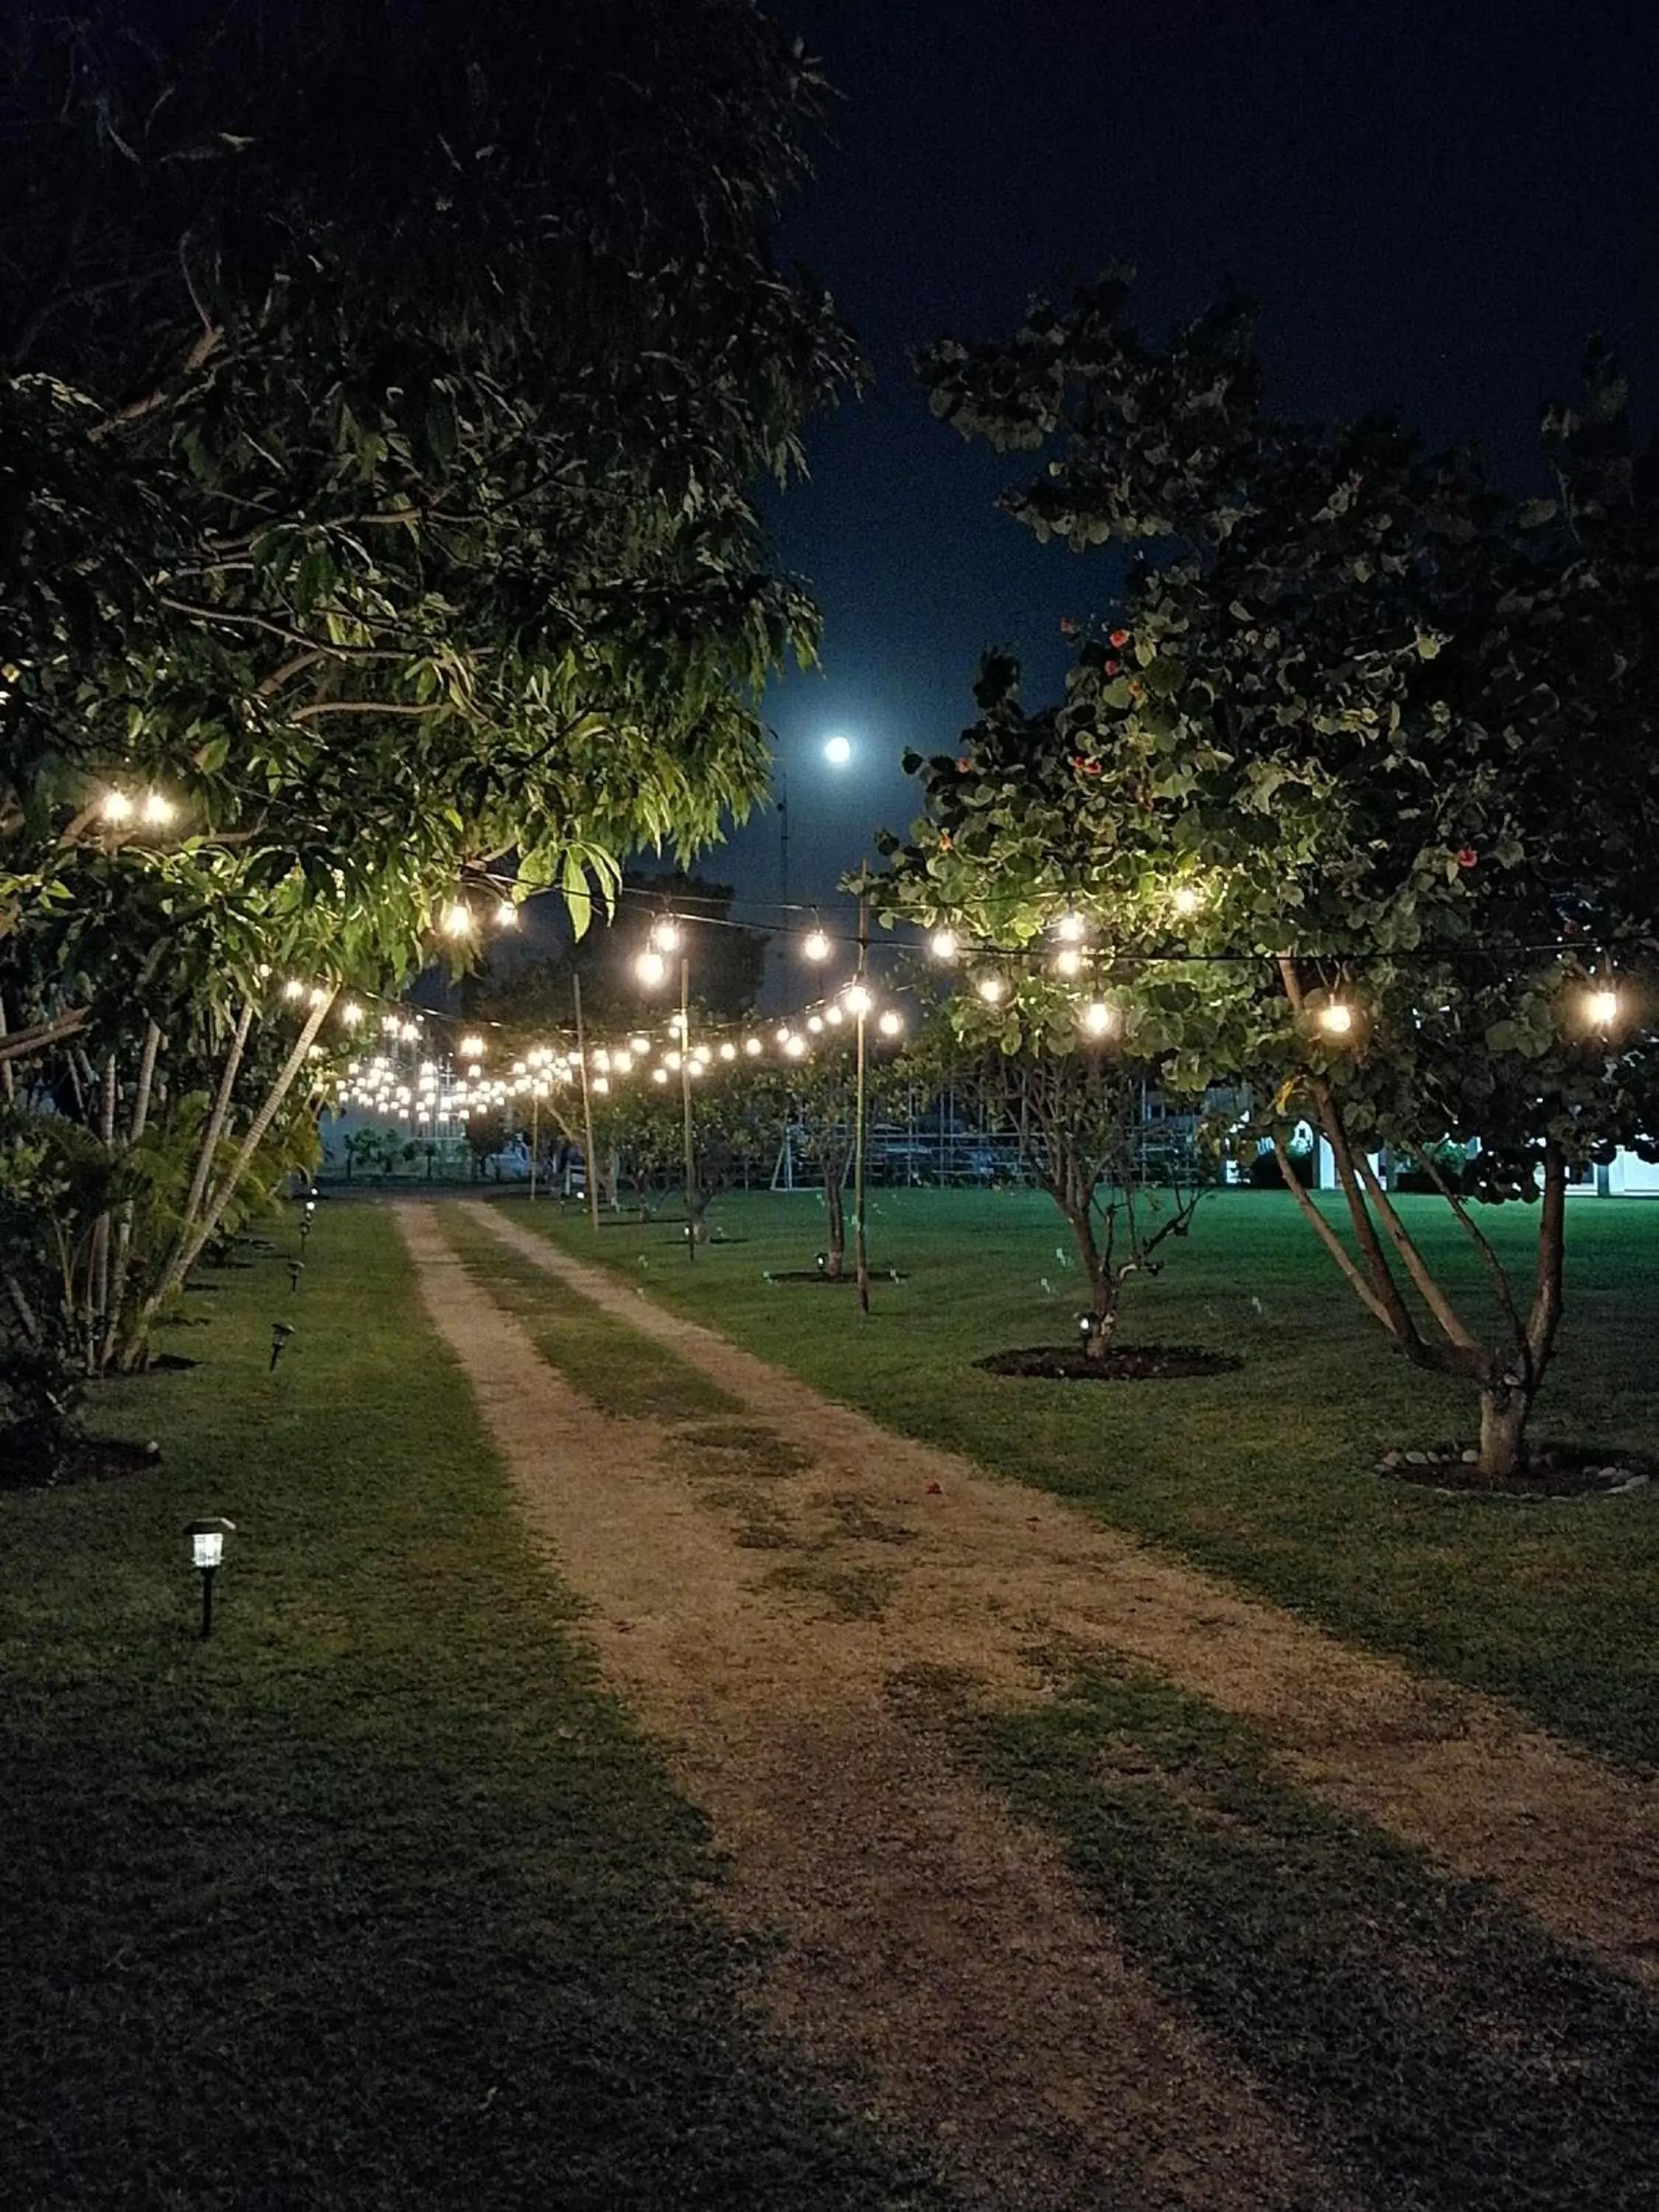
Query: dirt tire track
[[939, 1958], [998, 1566]]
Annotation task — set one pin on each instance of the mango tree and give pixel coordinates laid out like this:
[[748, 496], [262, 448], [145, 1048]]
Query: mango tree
[[1355, 788]]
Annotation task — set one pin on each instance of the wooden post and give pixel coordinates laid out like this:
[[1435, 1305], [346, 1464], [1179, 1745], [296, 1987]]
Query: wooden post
[[592, 1164]]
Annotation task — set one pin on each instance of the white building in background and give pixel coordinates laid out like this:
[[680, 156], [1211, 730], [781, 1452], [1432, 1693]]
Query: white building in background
[[1627, 1176]]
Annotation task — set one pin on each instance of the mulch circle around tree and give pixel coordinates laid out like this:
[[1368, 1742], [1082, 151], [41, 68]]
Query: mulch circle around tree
[[1126, 1362], [848, 1275], [90, 1458], [1556, 1470]]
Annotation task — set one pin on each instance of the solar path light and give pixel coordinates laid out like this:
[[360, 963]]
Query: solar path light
[[207, 1548]]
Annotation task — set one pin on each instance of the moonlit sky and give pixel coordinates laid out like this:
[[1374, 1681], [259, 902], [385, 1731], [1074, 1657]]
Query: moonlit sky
[[1434, 200]]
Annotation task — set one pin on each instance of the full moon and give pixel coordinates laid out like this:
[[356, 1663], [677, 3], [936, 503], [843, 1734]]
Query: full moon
[[838, 751]]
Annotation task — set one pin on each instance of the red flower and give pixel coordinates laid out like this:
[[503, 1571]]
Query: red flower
[[964, 765], [1119, 637], [1466, 856], [1112, 666]]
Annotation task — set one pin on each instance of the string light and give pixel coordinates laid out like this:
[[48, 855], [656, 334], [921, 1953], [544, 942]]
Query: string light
[[1337, 1019], [665, 935], [1602, 1007], [1099, 1018], [833, 1017], [751, 1045], [601, 1085], [472, 1048], [660, 1075], [457, 919], [944, 944], [351, 1014], [639, 1046], [158, 811], [857, 1001], [891, 1023], [294, 990], [795, 1047], [815, 1023], [1070, 928], [992, 989], [115, 806], [651, 968], [816, 945], [1069, 962], [728, 1050], [506, 915], [1186, 899]]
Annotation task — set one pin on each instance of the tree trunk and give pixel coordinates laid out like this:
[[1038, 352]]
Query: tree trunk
[[1504, 1407], [835, 1222]]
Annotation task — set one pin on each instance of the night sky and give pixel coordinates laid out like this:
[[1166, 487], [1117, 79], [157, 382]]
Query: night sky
[[1435, 201]]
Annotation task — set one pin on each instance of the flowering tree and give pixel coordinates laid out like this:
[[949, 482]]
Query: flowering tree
[[1357, 791]]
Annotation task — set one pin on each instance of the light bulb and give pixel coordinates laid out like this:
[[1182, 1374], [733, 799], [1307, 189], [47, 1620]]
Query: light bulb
[[1336, 1018], [651, 968], [1602, 1007], [621, 1063], [665, 935], [1186, 899], [295, 989], [783, 1035], [660, 1075], [601, 1084], [816, 946], [891, 1023], [833, 1017], [795, 1047], [639, 1045], [857, 999], [115, 806], [992, 989], [752, 1047], [1069, 928], [351, 1014], [410, 1031], [457, 919], [158, 811], [1068, 960], [506, 915], [728, 1050], [671, 1060], [815, 1023], [1099, 1018], [316, 996], [943, 944]]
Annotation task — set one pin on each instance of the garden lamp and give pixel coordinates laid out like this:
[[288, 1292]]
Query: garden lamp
[[280, 1332], [207, 1548]]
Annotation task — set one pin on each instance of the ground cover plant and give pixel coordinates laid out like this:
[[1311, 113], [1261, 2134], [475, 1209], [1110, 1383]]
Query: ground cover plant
[[1266, 1473], [375, 1896]]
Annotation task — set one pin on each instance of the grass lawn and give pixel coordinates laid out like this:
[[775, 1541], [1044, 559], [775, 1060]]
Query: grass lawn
[[375, 1899], [1264, 1474]]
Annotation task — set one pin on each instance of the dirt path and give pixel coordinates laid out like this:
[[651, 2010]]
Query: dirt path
[[937, 1955], [996, 1567]]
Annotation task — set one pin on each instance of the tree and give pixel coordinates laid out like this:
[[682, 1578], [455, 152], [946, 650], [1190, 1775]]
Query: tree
[[380, 395], [1357, 788], [737, 1118], [823, 1103]]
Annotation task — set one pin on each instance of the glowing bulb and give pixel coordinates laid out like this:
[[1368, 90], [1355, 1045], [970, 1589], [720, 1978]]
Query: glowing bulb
[[1336, 1018], [506, 915], [650, 968], [158, 811], [410, 1031], [728, 1050], [833, 1017], [891, 1023], [1602, 1007], [816, 945], [473, 1071], [115, 806], [671, 1060], [992, 989], [1186, 899], [666, 936], [815, 1023], [295, 989], [639, 1046], [1068, 961], [1069, 928], [943, 944], [621, 1063], [389, 1023], [351, 1014], [1099, 1020], [316, 996], [752, 1047], [457, 919], [795, 1047], [601, 1061], [857, 999], [696, 1067], [601, 1084], [660, 1075], [783, 1035], [838, 751], [472, 1048]]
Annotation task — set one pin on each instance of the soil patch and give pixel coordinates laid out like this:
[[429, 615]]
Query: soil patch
[[90, 1458], [1558, 1471], [1002, 1570], [1125, 1363]]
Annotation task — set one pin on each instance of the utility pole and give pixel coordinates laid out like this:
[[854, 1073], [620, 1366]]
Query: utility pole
[[861, 1246], [685, 1103], [587, 1109]]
